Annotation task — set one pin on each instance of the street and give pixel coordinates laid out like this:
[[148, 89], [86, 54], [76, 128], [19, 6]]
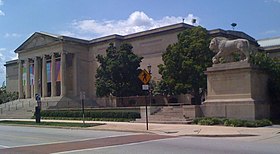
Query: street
[[18, 139]]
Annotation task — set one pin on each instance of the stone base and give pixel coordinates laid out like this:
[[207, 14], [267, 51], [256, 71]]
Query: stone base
[[237, 110], [236, 90]]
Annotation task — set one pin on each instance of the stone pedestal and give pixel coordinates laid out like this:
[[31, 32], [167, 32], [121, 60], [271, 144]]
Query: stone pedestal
[[236, 90]]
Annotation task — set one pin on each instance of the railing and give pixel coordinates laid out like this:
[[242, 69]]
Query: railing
[[109, 102]]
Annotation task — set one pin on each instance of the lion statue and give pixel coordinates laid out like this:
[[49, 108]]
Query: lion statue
[[226, 48]]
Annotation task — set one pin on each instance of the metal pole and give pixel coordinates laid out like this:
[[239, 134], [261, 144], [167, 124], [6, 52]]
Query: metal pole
[[83, 108], [147, 123]]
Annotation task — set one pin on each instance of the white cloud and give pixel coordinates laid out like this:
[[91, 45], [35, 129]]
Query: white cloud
[[7, 35], [5, 55], [270, 32], [1, 12], [136, 22], [2, 62], [277, 1]]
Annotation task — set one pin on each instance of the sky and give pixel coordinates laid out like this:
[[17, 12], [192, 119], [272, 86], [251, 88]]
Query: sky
[[89, 19]]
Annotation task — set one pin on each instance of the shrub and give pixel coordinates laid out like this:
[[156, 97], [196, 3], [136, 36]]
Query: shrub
[[91, 114], [232, 122], [206, 122], [209, 121]]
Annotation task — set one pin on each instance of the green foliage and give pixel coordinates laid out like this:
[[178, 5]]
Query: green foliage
[[185, 63], [272, 67], [91, 114], [209, 121], [91, 119], [232, 122], [236, 122], [7, 96], [118, 72]]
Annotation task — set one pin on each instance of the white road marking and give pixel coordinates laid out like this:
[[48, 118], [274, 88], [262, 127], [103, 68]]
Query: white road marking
[[3, 146], [73, 140], [112, 146]]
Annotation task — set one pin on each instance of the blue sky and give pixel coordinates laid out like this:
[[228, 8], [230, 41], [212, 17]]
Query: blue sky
[[94, 18]]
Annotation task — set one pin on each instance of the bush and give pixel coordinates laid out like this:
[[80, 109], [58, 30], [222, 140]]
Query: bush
[[232, 122], [92, 114], [206, 122], [209, 121]]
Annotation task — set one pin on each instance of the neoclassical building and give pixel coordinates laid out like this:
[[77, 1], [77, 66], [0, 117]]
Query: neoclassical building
[[59, 67]]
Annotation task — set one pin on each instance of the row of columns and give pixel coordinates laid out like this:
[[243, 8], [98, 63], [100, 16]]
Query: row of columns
[[37, 81]]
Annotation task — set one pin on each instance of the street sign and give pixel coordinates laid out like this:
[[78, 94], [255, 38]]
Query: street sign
[[82, 95], [144, 76], [145, 87]]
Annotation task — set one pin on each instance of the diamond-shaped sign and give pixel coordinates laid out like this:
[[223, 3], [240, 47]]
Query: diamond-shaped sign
[[144, 76]]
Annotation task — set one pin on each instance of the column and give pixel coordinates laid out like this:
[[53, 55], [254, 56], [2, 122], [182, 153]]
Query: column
[[75, 89], [63, 71], [44, 77], [53, 80], [36, 76], [20, 88], [27, 79]]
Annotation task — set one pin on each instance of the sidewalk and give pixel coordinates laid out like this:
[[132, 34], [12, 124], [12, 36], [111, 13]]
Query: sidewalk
[[180, 129]]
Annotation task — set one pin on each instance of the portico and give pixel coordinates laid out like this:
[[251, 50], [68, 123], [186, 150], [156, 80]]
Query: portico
[[43, 74], [44, 60]]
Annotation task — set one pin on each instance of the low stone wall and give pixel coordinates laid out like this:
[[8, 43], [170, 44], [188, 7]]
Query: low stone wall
[[150, 110], [235, 110], [192, 111]]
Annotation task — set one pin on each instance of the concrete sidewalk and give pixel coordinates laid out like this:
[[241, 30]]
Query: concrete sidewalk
[[179, 129]]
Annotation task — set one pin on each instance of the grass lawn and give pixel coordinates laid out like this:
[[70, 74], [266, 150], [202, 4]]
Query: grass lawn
[[52, 124]]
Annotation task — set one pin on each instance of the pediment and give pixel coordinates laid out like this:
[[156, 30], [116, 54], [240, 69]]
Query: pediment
[[37, 40]]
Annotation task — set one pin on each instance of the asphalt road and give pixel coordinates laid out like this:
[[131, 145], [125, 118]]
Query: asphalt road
[[186, 145], [17, 139], [17, 136]]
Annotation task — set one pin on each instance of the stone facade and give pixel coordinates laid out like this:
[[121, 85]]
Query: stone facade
[[76, 64]]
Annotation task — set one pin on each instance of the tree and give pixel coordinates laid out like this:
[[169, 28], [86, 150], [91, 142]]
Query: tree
[[7, 96], [118, 72], [272, 67], [185, 63]]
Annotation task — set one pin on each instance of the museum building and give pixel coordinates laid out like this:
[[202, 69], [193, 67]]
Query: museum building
[[59, 67]]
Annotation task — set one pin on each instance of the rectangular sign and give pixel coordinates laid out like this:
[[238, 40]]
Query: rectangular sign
[[145, 87]]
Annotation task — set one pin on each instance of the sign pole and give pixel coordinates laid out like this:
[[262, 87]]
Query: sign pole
[[147, 119], [145, 77], [82, 96]]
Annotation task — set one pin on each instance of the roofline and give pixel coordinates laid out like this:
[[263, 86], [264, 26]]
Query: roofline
[[158, 30], [269, 38], [105, 38], [178, 26], [59, 37], [233, 33], [11, 62], [272, 47], [143, 33]]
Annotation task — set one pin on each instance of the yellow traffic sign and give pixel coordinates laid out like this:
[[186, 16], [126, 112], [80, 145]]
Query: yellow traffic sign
[[144, 76]]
